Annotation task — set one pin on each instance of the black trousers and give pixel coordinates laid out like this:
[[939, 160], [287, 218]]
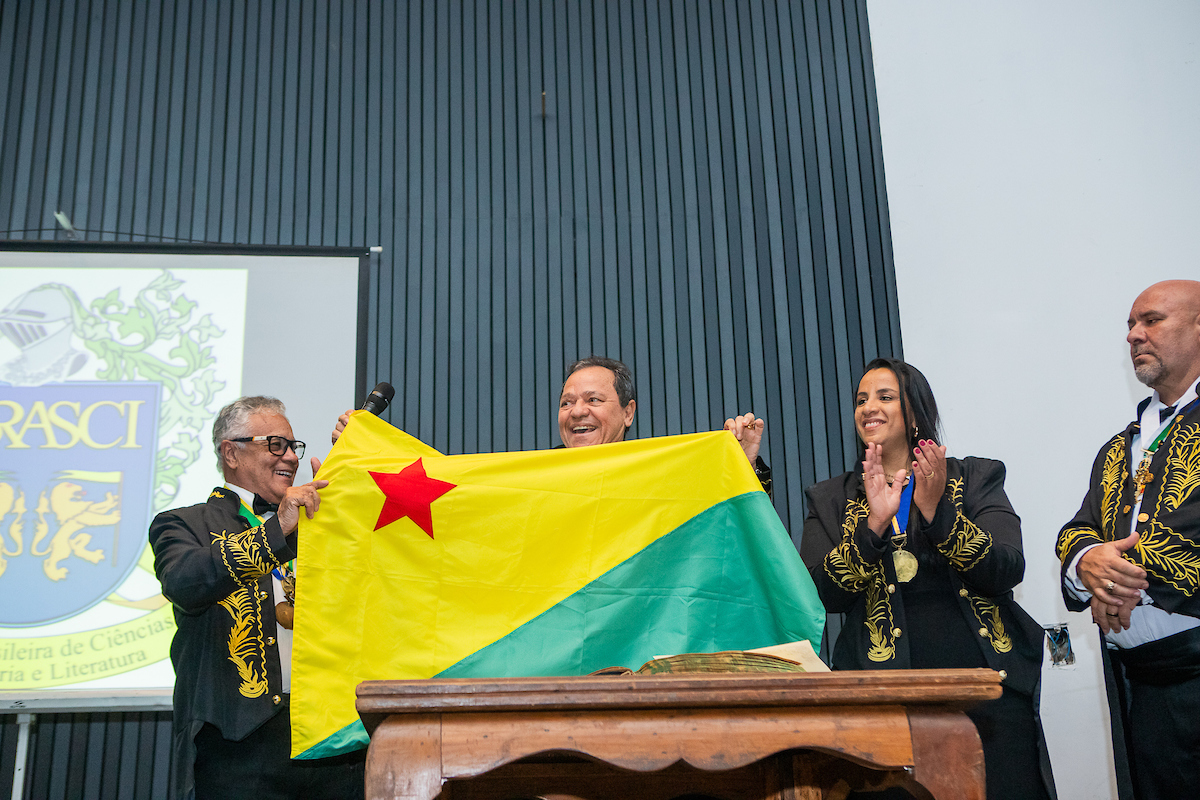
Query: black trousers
[[259, 767], [1158, 686]]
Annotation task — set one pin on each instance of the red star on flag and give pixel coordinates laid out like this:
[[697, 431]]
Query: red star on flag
[[409, 493]]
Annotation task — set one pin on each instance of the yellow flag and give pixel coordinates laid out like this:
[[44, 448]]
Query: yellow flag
[[551, 562]]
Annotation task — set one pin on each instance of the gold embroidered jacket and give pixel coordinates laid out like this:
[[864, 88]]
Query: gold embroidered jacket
[[974, 529], [1168, 522], [215, 569]]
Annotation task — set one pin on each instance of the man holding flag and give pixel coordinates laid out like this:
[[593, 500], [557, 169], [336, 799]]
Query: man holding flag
[[225, 565], [558, 562], [597, 404]]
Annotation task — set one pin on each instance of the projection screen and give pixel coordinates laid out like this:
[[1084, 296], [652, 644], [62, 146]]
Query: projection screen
[[114, 360]]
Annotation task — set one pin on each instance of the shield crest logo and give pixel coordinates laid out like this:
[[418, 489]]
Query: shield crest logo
[[70, 536]]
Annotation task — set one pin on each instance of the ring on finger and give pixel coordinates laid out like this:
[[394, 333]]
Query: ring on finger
[[930, 475], [1110, 614], [1110, 586]]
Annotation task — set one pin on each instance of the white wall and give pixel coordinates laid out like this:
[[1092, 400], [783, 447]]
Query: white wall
[[1043, 167]]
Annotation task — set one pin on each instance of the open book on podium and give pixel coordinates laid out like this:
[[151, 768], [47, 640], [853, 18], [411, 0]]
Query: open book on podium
[[789, 657]]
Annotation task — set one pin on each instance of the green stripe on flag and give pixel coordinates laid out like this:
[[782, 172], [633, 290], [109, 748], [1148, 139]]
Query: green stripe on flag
[[727, 579], [347, 740]]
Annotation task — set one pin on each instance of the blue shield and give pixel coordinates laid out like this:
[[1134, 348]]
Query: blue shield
[[76, 485]]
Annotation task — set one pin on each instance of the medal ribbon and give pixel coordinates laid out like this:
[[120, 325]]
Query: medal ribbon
[[248, 514], [1153, 448], [1178, 415], [905, 563], [255, 520], [900, 521], [1142, 474]]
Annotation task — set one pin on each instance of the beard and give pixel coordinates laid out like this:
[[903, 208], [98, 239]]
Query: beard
[[1150, 373]]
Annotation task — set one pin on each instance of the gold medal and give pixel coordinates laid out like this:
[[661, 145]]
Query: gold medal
[[285, 612], [905, 564], [904, 561], [285, 615]]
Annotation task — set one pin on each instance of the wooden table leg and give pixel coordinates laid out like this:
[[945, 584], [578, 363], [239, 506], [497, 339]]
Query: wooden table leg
[[947, 755], [793, 776], [404, 761]]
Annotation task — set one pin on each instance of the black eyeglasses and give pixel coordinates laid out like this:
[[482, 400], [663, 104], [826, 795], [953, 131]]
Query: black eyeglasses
[[278, 445]]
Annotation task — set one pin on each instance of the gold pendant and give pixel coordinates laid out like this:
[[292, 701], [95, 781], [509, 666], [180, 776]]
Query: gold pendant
[[285, 615], [1142, 476], [905, 564], [1141, 480]]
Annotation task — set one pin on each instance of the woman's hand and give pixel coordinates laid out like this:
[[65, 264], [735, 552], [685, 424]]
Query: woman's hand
[[883, 497], [929, 474]]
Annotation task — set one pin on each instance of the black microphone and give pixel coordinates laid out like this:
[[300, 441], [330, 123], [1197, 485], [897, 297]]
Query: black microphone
[[378, 399]]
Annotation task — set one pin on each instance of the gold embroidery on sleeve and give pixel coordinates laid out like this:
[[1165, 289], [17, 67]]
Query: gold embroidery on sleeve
[[1114, 475], [956, 491], [1069, 538], [1166, 555], [967, 543], [965, 547], [845, 564]]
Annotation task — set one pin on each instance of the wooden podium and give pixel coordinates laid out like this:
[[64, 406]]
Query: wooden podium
[[753, 736]]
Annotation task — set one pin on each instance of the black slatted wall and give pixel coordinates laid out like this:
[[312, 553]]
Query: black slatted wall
[[97, 756], [8, 752], [692, 186]]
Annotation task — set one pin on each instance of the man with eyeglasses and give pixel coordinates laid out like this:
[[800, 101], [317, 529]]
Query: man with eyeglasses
[[227, 567]]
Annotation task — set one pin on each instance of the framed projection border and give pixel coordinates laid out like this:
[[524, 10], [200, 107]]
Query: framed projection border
[[114, 360]]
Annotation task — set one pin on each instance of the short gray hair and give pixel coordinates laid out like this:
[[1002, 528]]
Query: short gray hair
[[233, 419], [622, 375]]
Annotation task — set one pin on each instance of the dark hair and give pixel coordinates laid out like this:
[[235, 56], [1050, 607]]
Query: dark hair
[[916, 399], [622, 376]]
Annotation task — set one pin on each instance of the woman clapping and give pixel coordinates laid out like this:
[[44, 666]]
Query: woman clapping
[[921, 552]]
